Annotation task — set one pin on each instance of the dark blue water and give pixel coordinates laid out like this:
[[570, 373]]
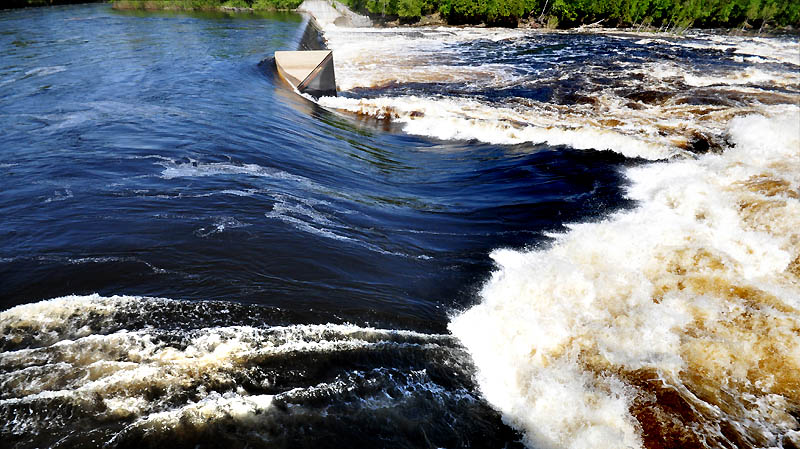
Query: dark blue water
[[152, 155]]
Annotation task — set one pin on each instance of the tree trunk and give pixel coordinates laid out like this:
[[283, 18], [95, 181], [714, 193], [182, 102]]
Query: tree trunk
[[543, 9]]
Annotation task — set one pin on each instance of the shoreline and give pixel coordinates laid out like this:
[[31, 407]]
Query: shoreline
[[160, 6], [436, 20]]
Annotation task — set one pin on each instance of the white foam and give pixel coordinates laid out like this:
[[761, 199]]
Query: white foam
[[562, 334], [773, 49], [309, 215], [470, 119], [44, 71], [236, 192], [259, 411], [198, 169], [194, 169], [651, 130], [747, 76], [302, 213], [244, 409], [220, 225], [783, 49], [46, 320], [114, 374], [688, 284], [100, 259], [369, 57], [59, 195]]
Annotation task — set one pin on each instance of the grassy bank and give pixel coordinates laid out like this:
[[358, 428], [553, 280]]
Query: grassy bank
[[208, 5], [672, 15], [11, 4]]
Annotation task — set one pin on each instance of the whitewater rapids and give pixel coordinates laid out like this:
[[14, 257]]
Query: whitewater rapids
[[675, 324]]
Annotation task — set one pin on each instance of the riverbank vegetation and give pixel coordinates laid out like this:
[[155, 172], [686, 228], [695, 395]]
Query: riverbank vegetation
[[671, 15], [208, 5], [659, 14], [10, 4]]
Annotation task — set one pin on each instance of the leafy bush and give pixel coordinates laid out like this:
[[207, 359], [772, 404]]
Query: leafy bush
[[236, 4], [200, 5]]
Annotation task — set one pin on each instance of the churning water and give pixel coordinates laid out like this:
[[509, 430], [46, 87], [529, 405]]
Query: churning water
[[491, 238]]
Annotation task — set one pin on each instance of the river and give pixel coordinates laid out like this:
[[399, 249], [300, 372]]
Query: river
[[491, 238]]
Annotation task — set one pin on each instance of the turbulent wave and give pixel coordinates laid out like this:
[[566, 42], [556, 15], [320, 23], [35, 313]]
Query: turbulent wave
[[194, 169], [642, 98], [138, 376], [676, 324], [469, 119], [672, 324]]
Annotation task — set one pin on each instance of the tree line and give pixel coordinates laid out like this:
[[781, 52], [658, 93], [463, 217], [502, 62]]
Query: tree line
[[664, 14], [188, 5], [208, 5], [673, 15]]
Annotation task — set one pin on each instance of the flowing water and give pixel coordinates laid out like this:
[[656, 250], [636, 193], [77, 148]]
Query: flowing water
[[490, 238]]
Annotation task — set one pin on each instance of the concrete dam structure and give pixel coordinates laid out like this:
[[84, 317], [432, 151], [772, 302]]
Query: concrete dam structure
[[310, 69]]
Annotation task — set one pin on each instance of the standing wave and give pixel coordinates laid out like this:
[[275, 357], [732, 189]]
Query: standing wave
[[643, 98], [124, 371], [676, 324]]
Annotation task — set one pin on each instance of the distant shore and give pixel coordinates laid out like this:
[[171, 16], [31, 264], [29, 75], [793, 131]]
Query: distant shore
[[783, 16], [206, 5], [15, 4], [775, 17]]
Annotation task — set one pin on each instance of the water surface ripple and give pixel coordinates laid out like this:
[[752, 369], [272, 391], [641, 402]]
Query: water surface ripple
[[459, 251]]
